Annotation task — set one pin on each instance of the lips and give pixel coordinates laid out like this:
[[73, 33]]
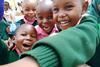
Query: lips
[[45, 26], [64, 23], [26, 46]]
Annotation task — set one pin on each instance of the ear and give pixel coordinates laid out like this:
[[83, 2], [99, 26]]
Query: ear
[[85, 6]]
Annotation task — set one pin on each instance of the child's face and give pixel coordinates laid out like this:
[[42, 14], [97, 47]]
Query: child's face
[[29, 10], [6, 6], [25, 38], [45, 19], [67, 12]]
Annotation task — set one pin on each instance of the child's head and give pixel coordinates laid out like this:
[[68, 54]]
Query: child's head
[[25, 36], [68, 12], [44, 15], [29, 9], [6, 5]]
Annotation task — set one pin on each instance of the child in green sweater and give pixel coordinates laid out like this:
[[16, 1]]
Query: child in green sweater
[[29, 12], [24, 39], [69, 15], [62, 50], [3, 29]]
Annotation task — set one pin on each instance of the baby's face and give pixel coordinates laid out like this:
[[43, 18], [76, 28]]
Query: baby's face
[[67, 12], [25, 38]]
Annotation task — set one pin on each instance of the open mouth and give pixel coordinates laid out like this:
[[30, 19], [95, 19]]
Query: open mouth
[[46, 28], [26, 46]]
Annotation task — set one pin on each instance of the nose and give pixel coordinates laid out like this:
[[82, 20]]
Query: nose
[[61, 14], [29, 38], [44, 20], [31, 11]]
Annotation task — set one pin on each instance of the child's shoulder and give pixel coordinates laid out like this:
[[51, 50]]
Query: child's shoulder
[[20, 21], [35, 23]]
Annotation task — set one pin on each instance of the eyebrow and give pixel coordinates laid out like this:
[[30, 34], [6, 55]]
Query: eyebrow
[[68, 3]]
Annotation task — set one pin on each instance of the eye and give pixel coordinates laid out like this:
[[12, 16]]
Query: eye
[[33, 36], [40, 17], [34, 9], [68, 7], [27, 9], [49, 17], [23, 34], [55, 10]]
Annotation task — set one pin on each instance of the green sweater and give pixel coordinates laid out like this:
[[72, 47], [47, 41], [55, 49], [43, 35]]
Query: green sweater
[[63, 50], [3, 34], [3, 53], [20, 22], [7, 56]]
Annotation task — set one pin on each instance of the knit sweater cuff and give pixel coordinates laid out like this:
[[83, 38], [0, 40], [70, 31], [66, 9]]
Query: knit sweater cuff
[[44, 55]]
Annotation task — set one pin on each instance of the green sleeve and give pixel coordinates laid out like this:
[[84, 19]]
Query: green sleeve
[[3, 34], [3, 53], [73, 46], [44, 55]]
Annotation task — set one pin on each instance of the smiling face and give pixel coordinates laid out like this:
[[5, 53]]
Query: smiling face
[[29, 10], [25, 37], [67, 12], [45, 17]]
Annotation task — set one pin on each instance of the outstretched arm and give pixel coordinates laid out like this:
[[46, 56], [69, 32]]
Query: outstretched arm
[[25, 62]]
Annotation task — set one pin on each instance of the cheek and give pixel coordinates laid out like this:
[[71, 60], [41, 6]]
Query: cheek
[[34, 41], [75, 17], [55, 16], [52, 24], [39, 22], [18, 39]]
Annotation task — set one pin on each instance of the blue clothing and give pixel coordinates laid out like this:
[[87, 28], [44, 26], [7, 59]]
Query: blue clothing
[[1, 8]]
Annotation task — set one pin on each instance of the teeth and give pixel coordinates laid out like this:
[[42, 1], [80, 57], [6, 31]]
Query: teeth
[[26, 47], [46, 28], [64, 23]]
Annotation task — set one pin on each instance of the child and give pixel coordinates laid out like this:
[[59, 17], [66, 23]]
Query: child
[[69, 14], [65, 49], [4, 29], [29, 10], [24, 38], [8, 15], [46, 25]]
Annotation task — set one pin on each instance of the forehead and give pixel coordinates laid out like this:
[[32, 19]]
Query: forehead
[[43, 7], [6, 3], [62, 2], [26, 28], [28, 3]]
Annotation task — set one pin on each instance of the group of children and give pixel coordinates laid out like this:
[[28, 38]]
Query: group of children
[[41, 16], [41, 20]]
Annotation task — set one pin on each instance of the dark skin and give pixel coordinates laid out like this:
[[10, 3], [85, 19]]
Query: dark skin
[[45, 17], [25, 37], [29, 9], [23, 62], [68, 12]]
